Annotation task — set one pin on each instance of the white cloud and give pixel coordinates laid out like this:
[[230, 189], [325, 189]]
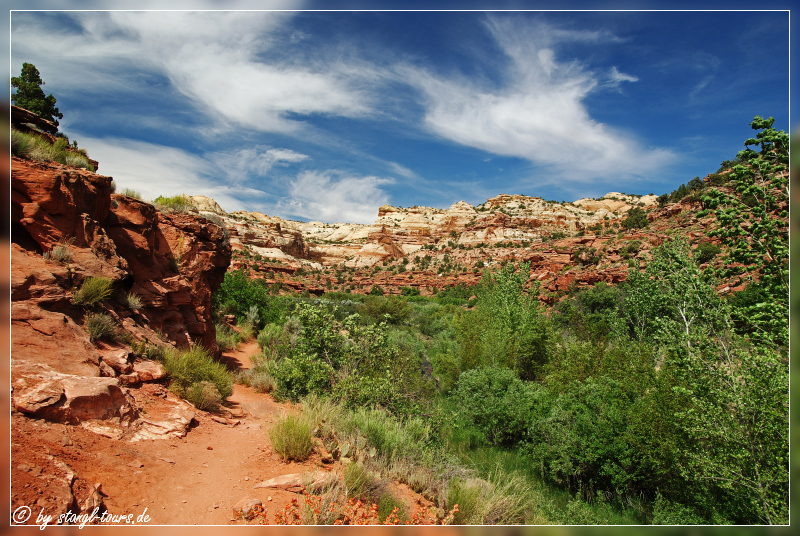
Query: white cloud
[[244, 164], [215, 59], [401, 170], [155, 170], [616, 77], [331, 196], [538, 114]]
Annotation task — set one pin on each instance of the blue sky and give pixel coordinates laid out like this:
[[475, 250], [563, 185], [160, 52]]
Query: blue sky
[[328, 115]]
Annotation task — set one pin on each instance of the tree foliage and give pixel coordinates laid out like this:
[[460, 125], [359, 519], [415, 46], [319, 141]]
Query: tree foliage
[[754, 225], [30, 95]]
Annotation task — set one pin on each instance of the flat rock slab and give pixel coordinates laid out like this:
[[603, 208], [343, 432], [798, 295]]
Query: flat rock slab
[[260, 409], [292, 482]]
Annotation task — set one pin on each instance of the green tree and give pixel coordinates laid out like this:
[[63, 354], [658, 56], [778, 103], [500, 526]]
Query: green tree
[[754, 225], [736, 393], [507, 328], [30, 95], [637, 219]]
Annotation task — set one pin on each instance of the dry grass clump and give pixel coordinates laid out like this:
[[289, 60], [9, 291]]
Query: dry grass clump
[[101, 326], [60, 252], [291, 437], [204, 395]]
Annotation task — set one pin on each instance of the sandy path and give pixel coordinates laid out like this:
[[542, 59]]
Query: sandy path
[[193, 480]]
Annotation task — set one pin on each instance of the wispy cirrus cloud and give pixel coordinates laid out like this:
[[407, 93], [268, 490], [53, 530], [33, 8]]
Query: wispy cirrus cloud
[[220, 62], [246, 164], [537, 112], [616, 77]]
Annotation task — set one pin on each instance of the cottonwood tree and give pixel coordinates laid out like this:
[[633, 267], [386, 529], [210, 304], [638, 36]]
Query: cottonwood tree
[[736, 392]]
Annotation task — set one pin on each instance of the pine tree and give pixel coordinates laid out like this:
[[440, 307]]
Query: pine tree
[[30, 95]]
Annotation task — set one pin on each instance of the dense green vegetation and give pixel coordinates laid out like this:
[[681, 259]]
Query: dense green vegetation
[[657, 401], [38, 148]]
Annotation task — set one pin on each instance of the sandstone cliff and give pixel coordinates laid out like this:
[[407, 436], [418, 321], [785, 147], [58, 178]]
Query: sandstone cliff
[[66, 226]]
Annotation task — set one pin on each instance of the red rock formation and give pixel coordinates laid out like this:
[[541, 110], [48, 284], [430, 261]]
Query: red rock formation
[[173, 262]]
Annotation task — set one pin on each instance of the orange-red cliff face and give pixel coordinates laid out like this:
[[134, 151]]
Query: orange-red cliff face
[[172, 262]]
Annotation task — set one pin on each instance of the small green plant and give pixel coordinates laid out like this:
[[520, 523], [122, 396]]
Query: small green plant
[[92, 291], [291, 437], [60, 252], [227, 338], [20, 143], [204, 395], [253, 317], [196, 365], [705, 252], [41, 150], [174, 204], [637, 219], [131, 193], [78, 161], [132, 301], [631, 249], [259, 379], [358, 481], [101, 326]]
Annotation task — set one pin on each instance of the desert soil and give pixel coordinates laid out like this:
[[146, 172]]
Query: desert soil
[[196, 479]]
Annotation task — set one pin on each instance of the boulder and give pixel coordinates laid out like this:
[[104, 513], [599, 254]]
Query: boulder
[[149, 371], [119, 360], [247, 508], [71, 399]]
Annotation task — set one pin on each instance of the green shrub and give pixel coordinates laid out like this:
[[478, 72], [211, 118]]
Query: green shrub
[[259, 379], [131, 193], [204, 395], [669, 513], [269, 336], [101, 326], [631, 249], [60, 252], [196, 365], [376, 291], [387, 504], [238, 293], [20, 143], [253, 317], [291, 437], [636, 219], [705, 252], [132, 301], [303, 374], [78, 161], [92, 291], [358, 481], [227, 338], [378, 307], [498, 403], [175, 204], [246, 331], [41, 150]]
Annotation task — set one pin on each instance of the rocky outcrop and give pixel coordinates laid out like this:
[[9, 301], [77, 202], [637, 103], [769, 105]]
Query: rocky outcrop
[[173, 262], [66, 227]]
